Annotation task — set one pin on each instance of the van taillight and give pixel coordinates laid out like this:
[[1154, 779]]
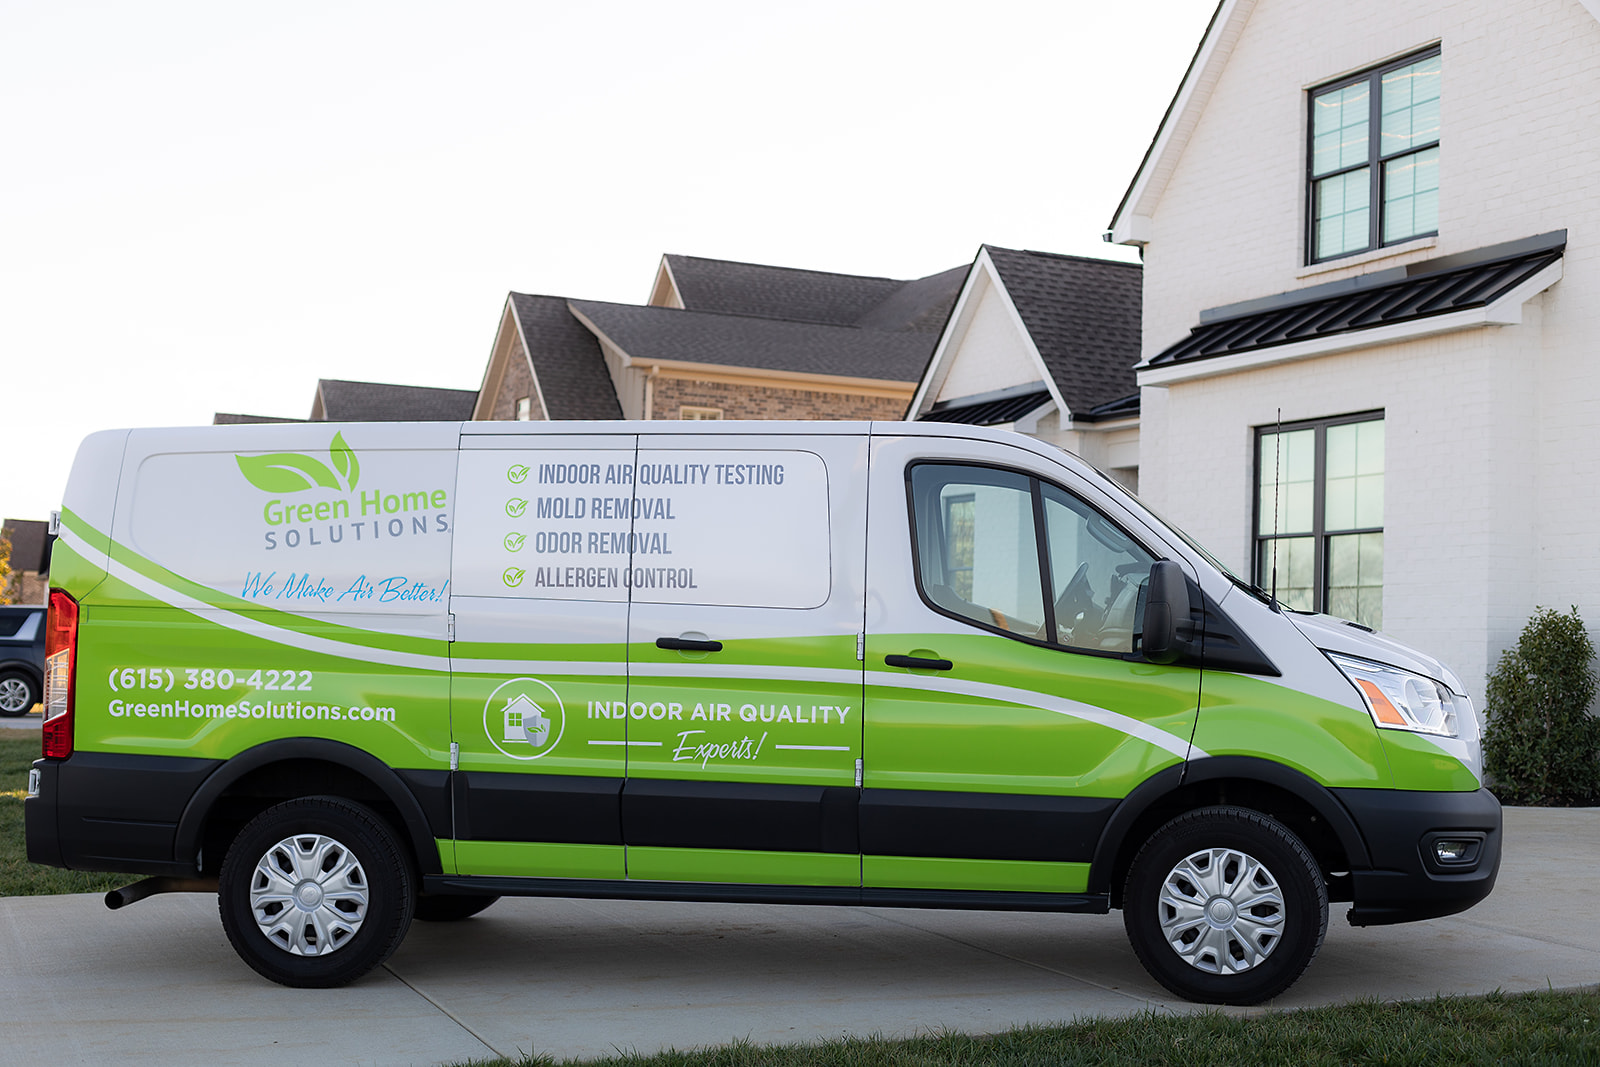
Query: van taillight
[[60, 674]]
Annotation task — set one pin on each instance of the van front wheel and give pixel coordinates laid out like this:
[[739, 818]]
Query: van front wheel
[[316, 892], [1225, 905]]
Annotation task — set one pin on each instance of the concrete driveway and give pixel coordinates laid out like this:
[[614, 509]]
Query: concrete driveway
[[158, 983]]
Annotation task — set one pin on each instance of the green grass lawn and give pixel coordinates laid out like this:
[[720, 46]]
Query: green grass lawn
[[1527, 1029], [18, 877]]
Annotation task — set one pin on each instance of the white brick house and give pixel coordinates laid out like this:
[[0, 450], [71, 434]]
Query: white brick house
[[1459, 339]]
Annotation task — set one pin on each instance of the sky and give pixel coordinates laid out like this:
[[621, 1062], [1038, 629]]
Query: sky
[[207, 207]]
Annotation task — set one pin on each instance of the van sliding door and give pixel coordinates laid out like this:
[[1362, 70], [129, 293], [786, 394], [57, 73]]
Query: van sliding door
[[540, 600], [744, 692]]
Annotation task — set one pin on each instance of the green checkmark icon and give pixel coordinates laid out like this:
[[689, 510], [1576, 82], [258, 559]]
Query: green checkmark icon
[[515, 507], [514, 542], [517, 474], [512, 576]]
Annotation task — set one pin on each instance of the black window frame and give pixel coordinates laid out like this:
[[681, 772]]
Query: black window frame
[[1374, 159], [1260, 570], [1042, 551]]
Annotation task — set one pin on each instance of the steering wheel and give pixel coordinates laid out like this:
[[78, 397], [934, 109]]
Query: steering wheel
[[1076, 599]]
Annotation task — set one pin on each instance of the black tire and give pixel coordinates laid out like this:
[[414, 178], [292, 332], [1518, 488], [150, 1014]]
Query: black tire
[[358, 884], [19, 692], [1283, 927], [449, 907]]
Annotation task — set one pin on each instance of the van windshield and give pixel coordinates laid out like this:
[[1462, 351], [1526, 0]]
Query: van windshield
[[1227, 572]]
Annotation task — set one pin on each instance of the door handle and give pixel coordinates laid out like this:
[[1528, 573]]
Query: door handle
[[687, 644], [919, 663]]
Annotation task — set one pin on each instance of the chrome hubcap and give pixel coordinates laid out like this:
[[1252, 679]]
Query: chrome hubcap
[[309, 895], [1221, 910]]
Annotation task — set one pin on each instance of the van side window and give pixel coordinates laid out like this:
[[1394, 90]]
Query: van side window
[[1098, 575], [977, 546], [990, 542]]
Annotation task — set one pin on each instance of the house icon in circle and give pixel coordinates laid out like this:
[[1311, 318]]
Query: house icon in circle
[[526, 721]]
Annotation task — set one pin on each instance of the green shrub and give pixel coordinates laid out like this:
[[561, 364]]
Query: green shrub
[[1542, 745]]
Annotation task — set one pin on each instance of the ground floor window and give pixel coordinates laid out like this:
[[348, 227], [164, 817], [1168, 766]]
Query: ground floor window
[[1319, 515], [689, 412]]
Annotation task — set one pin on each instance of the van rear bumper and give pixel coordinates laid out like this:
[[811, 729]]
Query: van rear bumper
[[1407, 881], [108, 812]]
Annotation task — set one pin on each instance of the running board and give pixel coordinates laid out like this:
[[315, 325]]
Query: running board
[[738, 893]]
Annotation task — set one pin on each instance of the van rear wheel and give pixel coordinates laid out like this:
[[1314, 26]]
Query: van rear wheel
[[316, 892], [1225, 905]]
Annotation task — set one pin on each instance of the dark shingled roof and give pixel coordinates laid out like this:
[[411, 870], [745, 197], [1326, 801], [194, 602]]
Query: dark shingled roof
[[737, 341], [1383, 298], [1084, 317], [344, 401], [572, 373], [922, 306], [777, 292], [228, 418]]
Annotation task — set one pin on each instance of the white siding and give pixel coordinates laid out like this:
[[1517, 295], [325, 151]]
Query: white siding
[[992, 354], [1492, 496]]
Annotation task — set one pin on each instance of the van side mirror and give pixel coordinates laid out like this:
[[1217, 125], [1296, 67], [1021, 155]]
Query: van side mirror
[[1166, 614]]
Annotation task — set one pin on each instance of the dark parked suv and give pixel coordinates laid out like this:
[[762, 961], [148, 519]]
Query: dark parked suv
[[21, 658]]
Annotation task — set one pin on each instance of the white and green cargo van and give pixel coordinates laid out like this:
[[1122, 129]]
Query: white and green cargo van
[[349, 675]]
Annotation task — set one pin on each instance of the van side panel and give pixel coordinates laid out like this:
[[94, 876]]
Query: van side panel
[[78, 559], [261, 587], [1332, 744]]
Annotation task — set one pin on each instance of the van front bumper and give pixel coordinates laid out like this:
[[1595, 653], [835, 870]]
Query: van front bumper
[[1405, 831]]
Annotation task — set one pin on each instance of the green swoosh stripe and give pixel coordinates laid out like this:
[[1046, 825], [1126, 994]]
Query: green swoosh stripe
[[271, 616]]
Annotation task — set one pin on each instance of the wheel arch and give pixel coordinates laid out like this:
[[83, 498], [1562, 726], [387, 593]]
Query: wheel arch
[[280, 770], [1304, 805], [23, 666]]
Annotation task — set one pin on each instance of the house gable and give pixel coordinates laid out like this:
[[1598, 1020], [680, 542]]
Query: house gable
[[984, 350], [1131, 224], [508, 376], [1066, 325], [664, 292]]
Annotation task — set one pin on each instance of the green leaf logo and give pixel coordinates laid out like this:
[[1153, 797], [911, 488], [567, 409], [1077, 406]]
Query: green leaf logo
[[515, 507], [344, 461], [290, 472], [517, 474], [512, 576], [286, 472], [514, 542]]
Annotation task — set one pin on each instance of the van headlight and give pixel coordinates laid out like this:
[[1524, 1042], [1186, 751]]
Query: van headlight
[[1401, 700]]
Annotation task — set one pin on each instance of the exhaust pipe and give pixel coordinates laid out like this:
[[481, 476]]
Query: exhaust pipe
[[149, 887]]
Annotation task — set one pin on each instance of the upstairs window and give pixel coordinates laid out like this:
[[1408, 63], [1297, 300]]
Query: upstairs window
[[1375, 141]]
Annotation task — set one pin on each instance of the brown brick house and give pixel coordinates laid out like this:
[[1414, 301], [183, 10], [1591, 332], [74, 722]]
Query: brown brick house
[[720, 339]]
